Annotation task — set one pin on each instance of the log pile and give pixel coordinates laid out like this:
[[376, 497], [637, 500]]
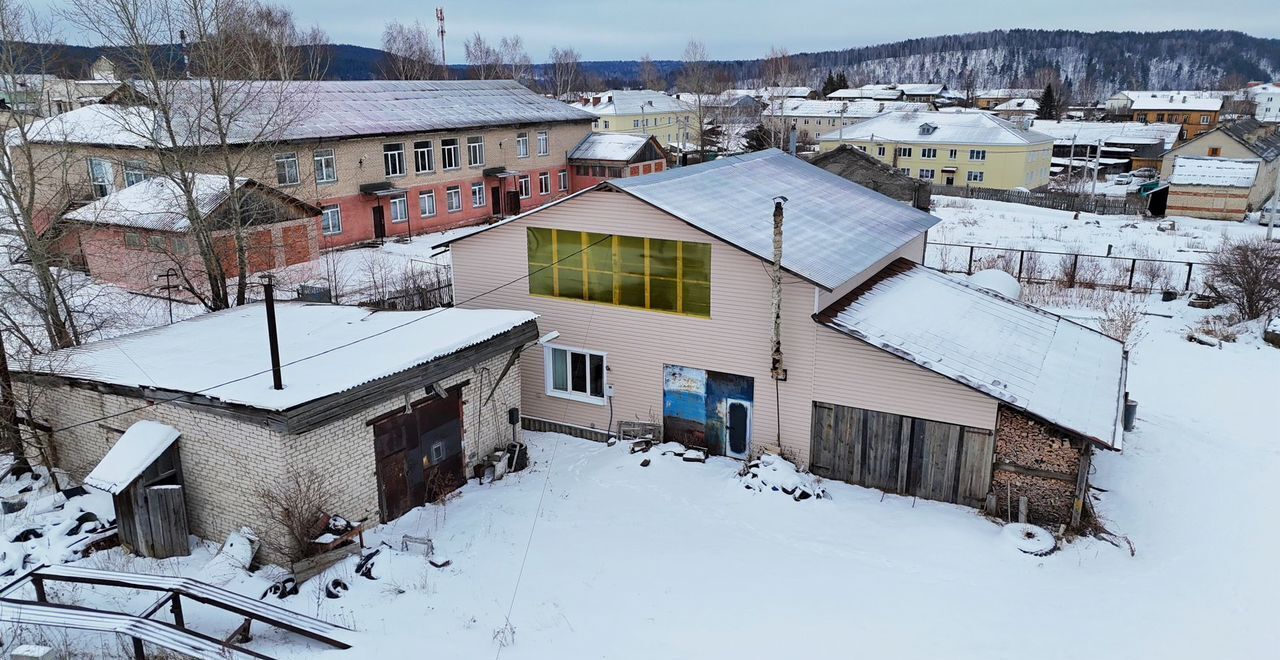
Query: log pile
[[1022, 442], [1025, 442]]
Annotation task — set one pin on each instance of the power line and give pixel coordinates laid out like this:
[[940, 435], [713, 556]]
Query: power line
[[338, 347]]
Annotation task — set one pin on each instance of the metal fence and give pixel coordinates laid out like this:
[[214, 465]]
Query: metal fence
[[1070, 269], [1131, 204]]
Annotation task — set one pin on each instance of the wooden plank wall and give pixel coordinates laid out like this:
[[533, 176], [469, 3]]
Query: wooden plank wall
[[900, 454], [167, 517]]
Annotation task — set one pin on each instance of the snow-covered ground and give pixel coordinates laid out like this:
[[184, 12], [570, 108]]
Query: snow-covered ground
[[1019, 226], [589, 554], [365, 273]]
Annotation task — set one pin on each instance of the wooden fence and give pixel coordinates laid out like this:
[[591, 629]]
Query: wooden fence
[[1131, 204], [1070, 269]]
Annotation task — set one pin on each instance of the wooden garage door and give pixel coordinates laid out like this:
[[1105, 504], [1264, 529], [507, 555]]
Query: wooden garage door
[[899, 454]]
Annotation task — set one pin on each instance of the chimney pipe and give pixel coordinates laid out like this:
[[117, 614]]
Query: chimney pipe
[[595, 100], [777, 369], [272, 337]]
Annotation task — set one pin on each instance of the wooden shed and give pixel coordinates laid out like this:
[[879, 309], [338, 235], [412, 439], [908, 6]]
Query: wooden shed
[[143, 474]]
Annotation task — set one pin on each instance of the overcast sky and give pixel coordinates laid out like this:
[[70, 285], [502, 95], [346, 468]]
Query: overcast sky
[[734, 29]]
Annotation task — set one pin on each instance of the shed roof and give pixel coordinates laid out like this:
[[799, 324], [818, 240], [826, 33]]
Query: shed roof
[[609, 146], [1219, 172], [834, 228], [308, 110], [1031, 105], [224, 355], [156, 203], [1254, 136], [1030, 359], [130, 456], [634, 102], [976, 128]]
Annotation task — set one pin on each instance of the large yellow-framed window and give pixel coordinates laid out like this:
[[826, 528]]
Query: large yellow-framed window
[[631, 271]]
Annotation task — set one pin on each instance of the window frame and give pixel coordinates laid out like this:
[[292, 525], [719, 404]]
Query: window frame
[[522, 144], [563, 181], [475, 151], [451, 193], [524, 187], [284, 158], [326, 226], [106, 186], [390, 156], [548, 370], [544, 183], [402, 201], [427, 195], [450, 152], [421, 153], [978, 155], [318, 158], [544, 143], [478, 201], [134, 168], [932, 173], [929, 153], [969, 176]]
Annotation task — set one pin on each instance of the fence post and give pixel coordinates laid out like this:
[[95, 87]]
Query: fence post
[[969, 269], [1021, 255], [1133, 265], [1075, 264], [1187, 287]]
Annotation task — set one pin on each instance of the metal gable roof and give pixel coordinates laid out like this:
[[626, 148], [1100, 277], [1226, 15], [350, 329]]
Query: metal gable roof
[[609, 146], [1028, 358], [834, 229]]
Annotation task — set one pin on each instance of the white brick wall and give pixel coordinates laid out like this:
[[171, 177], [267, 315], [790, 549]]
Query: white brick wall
[[225, 461]]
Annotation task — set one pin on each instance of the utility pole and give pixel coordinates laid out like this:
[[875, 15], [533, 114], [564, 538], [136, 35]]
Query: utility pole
[[1275, 206], [444, 63], [1097, 153], [1071, 159], [273, 339]]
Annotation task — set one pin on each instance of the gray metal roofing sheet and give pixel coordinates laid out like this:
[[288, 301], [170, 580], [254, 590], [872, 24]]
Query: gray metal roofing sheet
[[834, 229], [1058, 370]]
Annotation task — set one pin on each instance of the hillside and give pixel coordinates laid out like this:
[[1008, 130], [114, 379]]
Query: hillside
[[1095, 63]]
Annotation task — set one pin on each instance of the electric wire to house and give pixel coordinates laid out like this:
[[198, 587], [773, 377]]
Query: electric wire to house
[[332, 349]]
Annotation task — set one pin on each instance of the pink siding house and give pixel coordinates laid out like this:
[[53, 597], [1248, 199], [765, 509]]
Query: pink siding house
[[894, 376]]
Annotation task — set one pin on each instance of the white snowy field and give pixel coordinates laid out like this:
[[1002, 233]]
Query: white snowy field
[[1018, 226], [592, 555]]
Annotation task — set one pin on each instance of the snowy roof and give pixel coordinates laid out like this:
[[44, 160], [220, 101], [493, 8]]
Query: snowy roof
[[609, 146], [321, 349], [130, 456], [1010, 93], [952, 128], [307, 110], [911, 89], [1019, 104], [1057, 370], [835, 229], [1255, 137], [1220, 172], [155, 203], [772, 92], [859, 93], [847, 109], [1173, 101], [1125, 132], [633, 102]]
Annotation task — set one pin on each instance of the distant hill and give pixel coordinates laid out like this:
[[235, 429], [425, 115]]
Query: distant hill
[[1096, 64]]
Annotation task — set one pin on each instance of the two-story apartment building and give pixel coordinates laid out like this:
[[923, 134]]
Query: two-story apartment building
[[953, 148], [1266, 99], [643, 112], [380, 158], [1195, 111], [813, 118], [913, 92], [988, 99], [655, 296], [1143, 145]]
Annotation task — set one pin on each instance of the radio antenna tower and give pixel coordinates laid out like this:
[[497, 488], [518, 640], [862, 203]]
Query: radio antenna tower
[[444, 63]]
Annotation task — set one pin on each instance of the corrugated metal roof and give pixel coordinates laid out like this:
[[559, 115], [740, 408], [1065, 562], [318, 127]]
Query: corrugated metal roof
[[1174, 101], [1220, 172], [847, 109], [155, 203], [608, 146], [834, 229], [1060, 371], [1124, 132], [308, 110], [1255, 137], [975, 128]]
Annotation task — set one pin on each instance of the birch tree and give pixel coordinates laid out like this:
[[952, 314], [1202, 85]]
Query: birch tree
[[410, 52], [247, 66], [565, 71]]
